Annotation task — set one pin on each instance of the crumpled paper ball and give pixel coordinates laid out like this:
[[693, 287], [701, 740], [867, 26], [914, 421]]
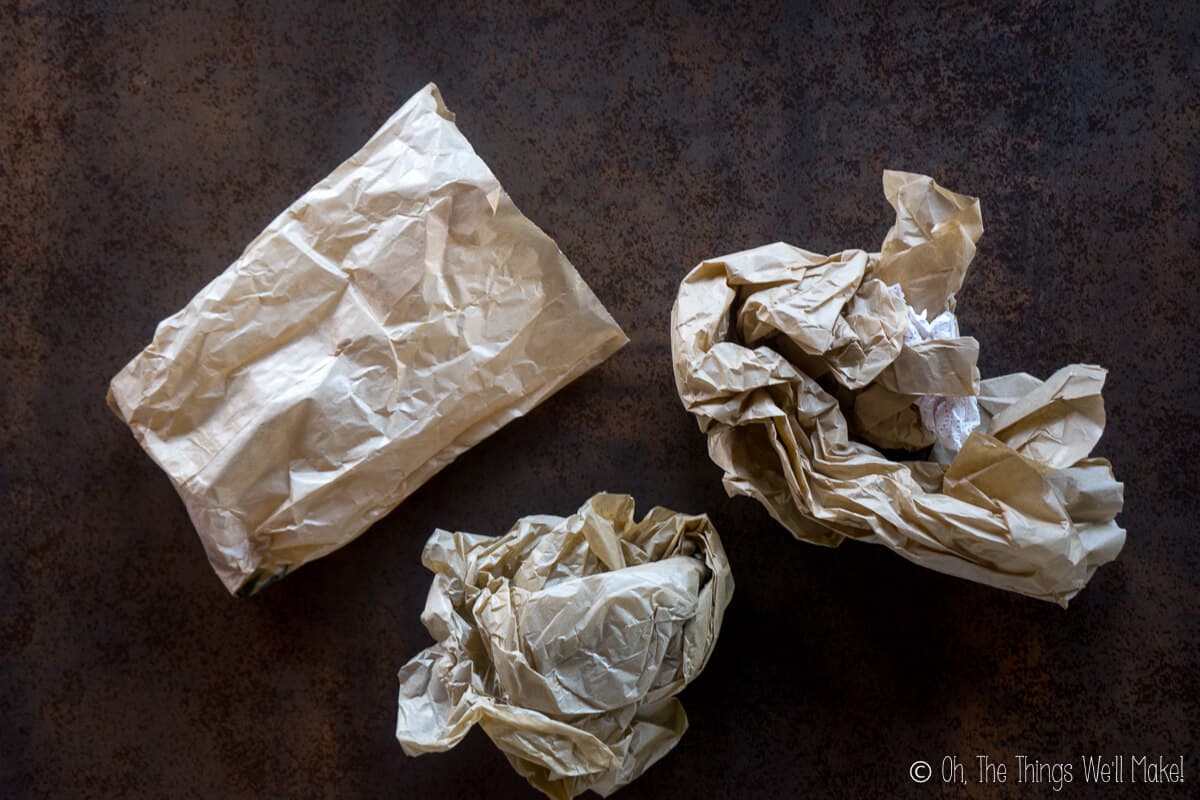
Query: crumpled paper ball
[[798, 366], [566, 641]]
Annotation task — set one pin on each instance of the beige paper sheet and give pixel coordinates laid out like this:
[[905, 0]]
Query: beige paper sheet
[[567, 640], [794, 366], [398, 313]]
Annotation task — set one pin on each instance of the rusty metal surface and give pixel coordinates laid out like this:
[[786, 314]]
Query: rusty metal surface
[[142, 145]]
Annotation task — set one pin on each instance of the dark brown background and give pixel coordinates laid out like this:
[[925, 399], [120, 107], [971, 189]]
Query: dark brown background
[[143, 145]]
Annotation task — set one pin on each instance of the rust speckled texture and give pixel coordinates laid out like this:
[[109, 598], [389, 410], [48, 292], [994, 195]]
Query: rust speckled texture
[[142, 145]]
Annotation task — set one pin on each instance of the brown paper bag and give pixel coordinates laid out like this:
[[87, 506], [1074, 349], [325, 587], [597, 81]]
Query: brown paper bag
[[398, 313]]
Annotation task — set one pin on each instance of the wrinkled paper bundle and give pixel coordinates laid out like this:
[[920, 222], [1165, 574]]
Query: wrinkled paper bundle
[[567, 640], [796, 366], [395, 315]]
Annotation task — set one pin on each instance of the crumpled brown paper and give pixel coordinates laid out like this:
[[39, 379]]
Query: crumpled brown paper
[[395, 315], [795, 364], [566, 640]]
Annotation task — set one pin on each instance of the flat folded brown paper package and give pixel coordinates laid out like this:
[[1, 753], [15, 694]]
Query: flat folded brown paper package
[[567, 640], [795, 364], [395, 315]]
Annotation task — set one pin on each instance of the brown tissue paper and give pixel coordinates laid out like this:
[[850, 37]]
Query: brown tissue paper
[[796, 366], [395, 315], [566, 641]]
